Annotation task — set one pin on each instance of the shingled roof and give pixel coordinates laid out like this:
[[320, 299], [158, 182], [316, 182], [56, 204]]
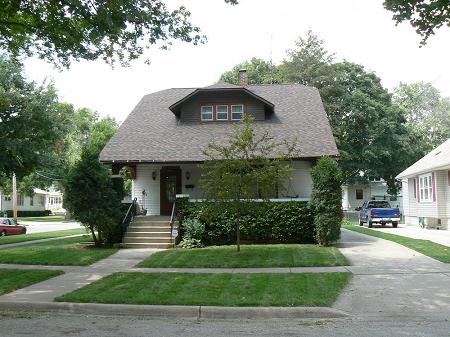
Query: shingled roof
[[152, 133]]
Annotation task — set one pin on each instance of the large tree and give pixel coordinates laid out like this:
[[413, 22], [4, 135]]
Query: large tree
[[29, 117], [427, 112], [424, 15], [115, 30], [368, 127]]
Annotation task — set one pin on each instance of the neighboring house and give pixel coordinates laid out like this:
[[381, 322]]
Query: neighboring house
[[163, 138], [354, 195], [426, 189], [40, 201]]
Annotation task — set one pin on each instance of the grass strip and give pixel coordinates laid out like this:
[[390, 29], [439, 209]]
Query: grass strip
[[47, 218], [250, 256], [429, 248], [225, 289], [39, 236], [77, 251], [13, 279]]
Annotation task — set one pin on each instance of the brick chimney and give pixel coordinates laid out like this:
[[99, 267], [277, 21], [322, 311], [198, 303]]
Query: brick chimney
[[243, 77]]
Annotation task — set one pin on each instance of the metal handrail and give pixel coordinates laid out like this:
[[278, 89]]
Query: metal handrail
[[131, 212], [173, 215]]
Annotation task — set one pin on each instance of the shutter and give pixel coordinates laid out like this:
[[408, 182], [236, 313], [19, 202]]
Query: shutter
[[418, 188], [415, 188], [448, 173], [433, 185]]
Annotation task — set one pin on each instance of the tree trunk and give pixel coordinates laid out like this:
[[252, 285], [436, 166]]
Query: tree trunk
[[238, 220], [94, 237]]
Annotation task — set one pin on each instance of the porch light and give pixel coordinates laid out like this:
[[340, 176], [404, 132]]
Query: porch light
[[188, 175], [154, 175]]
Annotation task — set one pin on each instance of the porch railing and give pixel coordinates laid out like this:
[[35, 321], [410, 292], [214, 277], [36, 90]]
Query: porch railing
[[173, 217], [131, 212]]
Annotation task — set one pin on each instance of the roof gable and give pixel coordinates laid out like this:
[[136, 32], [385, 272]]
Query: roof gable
[[438, 159]]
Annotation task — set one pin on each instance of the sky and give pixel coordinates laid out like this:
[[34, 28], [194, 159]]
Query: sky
[[355, 30]]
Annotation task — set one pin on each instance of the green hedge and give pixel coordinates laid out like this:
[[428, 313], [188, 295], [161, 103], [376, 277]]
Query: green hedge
[[261, 222], [28, 213]]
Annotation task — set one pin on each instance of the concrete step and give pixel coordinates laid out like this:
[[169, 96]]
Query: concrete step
[[134, 228], [148, 245], [132, 234], [147, 239], [151, 223]]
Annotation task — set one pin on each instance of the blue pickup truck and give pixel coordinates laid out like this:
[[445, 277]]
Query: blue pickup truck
[[378, 211]]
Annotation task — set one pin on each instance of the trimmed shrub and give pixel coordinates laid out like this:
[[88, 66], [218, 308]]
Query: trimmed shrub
[[261, 222], [190, 243], [193, 229], [28, 213], [326, 200]]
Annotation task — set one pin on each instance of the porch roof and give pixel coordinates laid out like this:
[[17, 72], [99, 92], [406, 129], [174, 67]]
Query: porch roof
[[152, 133]]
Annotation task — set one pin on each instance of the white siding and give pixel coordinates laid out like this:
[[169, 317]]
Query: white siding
[[431, 211], [301, 183], [405, 193], [8, 205]]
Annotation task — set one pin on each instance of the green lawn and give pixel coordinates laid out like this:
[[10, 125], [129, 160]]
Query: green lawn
[[37, 236], [12, 279], [250, 256], [426, 247], [48, 218], [224, 289], [76, 251]]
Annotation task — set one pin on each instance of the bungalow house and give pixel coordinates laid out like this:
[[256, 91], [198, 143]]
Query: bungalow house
[[163, 138], [426, 189]]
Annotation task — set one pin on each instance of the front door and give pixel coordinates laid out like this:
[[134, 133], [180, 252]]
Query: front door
[[170, 186]]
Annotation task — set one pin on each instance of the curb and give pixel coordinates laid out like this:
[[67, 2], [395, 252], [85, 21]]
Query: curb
[[198, 312]]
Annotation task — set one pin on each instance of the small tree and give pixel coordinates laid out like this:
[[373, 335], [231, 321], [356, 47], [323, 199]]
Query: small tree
[[250, 165], [90, 196], [326, 200]]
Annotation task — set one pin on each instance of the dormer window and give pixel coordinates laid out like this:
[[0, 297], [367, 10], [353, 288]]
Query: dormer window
[[207, 113], [222, 112], [237, 112]]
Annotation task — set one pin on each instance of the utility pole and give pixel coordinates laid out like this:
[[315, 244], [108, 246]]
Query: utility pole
[[14, 187]]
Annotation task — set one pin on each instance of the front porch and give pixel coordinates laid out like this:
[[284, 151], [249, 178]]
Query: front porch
[[156, 185]]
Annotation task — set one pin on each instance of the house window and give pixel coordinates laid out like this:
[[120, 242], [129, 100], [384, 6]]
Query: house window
[[31, 200], [19, 199], [207, 113], [359, 194], [222, 112], [7, 198], [237, 112], [426, 187], [42, 200]]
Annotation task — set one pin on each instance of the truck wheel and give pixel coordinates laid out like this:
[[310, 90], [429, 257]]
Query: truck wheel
[[3, 233], [370, 224], [395, 224]]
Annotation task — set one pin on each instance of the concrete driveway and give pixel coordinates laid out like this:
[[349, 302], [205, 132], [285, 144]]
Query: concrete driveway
[[391, 280], [415, 232]]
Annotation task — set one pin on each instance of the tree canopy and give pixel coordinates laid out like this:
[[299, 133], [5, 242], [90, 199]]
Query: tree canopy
[[258, 70], [115, 31], [368, 126], [424, 15]]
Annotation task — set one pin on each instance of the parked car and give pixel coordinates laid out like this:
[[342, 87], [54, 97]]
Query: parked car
[[9, 227], [378, 211], [61, 211]]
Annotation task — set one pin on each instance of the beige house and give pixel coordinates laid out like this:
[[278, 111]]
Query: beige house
[[41, 201], [426, 189]]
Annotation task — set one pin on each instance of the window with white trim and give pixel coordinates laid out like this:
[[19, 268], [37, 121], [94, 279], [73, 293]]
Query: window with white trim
[[19, 199], [222, 112], [236, 112], [207, 113], [32, 201], [426, 187]]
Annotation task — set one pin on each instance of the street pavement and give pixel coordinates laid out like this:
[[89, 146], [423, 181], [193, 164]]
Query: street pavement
[[43, 226]]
